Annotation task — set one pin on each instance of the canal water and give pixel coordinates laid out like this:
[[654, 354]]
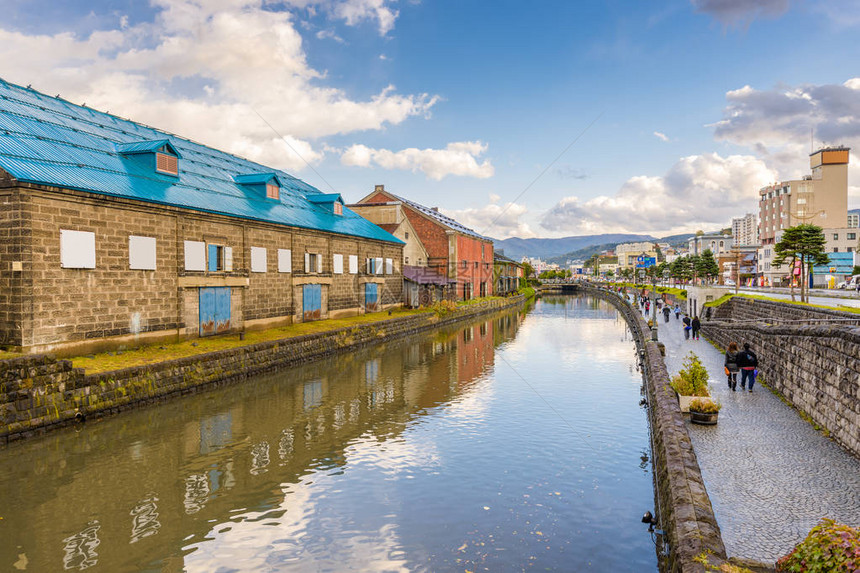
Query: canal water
[[513, 443]]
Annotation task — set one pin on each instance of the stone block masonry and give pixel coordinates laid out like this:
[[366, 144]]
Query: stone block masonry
[[684, 512], [815, 366], [39, 392]]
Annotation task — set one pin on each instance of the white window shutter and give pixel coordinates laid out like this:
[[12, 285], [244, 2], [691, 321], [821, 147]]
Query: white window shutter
[[228, 259], [285, 261], [319, 263], [307, 262], [353, 264], [259, 260], [195, 256], [389, 266], [379, 267], [337, 264], [141, 253], [77, 249]]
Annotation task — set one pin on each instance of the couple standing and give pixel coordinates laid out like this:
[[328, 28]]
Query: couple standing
[[746, 361]]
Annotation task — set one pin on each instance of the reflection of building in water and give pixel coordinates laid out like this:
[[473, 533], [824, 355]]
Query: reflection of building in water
[[164, 474]]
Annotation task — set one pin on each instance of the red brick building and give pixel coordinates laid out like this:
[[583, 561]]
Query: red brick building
[[453, 250]]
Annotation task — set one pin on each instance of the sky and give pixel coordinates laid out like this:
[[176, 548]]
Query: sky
[[547, 118]]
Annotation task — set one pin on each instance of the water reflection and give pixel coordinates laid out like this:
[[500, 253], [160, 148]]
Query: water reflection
[[415, 456]]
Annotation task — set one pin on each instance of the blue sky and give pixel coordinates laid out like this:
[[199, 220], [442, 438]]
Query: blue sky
[[692, 104]]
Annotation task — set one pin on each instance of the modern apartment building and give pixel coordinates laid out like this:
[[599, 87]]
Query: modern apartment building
[[818, 199], [745, 229]]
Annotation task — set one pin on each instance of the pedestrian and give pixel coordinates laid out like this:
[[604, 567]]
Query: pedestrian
[[687, 326], [677, 311], [731, 365], [666, 312], [647, 306], [695, 326], [748, 363]]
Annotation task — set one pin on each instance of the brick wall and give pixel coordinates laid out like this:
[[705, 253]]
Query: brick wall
[[48, 307], [14, 247], [479, 264]]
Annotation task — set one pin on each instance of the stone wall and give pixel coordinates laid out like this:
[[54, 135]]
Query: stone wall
[[684, 510], [815, 366], [40, 392]]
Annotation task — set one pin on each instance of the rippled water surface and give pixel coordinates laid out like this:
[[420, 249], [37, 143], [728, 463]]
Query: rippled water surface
[[515, 443]]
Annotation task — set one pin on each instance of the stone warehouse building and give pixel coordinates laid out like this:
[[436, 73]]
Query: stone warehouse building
[[112, 233], [459, 261]]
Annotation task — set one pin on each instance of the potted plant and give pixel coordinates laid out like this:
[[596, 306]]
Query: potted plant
[[691, 382], [704, 411]]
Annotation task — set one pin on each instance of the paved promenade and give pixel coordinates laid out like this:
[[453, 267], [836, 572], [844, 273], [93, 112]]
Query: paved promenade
[[769, 474]]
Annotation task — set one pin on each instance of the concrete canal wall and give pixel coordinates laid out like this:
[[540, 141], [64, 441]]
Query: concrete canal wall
[[685, 512], [810, 356], [38, 392]]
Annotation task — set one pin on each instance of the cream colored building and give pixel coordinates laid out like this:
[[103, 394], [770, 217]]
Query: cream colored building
[[628, 252], [745, 230], [819, 199]]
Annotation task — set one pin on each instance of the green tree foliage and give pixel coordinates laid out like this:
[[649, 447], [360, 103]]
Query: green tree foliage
[[528, 270], [706, 265], [682, 268], [804, 243]]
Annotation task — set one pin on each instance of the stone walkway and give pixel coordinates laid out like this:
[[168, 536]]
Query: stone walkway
[[769, 474]]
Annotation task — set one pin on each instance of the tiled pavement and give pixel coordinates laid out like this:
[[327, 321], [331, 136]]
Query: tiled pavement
[[770, 475]]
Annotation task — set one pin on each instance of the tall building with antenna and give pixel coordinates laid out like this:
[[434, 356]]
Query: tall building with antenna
[[820, 198]]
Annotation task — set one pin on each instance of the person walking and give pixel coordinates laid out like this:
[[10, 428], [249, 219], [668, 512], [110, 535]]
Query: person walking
[[748, 364], [666, 312], [677, 311], [687, 327], [695, 326], [731, 364]]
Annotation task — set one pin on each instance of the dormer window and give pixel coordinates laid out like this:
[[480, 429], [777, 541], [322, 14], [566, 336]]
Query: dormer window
[[338, 208], [162, 156], [267, 184], [331, 202], [166, 163]]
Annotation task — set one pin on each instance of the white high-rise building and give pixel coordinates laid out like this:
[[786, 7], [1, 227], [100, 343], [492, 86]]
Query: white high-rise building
[[745, 230]]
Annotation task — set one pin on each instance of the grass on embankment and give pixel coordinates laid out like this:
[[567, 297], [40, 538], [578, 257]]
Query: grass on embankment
[[107, 361], [728, 296], [4, 355], [677, 292]]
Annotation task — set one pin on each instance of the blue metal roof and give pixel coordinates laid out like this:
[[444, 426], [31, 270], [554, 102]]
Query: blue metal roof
[[49, 141], [325, 198], [150, 146], [257, 178]]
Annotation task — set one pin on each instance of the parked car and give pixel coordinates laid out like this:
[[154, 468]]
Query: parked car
[[729, 282], [850, 283]]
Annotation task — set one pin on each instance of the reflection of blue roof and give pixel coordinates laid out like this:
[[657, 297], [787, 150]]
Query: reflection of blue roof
[[49, 141]]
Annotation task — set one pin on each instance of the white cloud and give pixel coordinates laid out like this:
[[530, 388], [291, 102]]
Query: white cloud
[[699, 191], [329, 35], [460, 158], [232, 58], [357, 11], [493, 219], [776, 124], [661, 136], [740, 12]]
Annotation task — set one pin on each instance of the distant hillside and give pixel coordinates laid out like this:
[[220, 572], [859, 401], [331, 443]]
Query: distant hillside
[[517, 248], [573, 248]]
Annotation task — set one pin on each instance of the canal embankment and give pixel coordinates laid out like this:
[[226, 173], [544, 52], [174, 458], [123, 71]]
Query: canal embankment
[[40, 392], [684, 510]]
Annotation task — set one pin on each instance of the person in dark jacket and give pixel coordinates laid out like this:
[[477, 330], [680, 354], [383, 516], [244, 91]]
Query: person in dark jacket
[[748, 363], [687, 326], [666, 312], [731, 364], [696, 325]]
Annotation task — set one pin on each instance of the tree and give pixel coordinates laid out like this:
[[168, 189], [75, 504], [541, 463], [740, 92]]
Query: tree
[[803, 243], [706, 265], [528, 270], [682, 268]]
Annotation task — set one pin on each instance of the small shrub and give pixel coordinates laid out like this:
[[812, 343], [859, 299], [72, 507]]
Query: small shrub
[[705, 406], [829, 548], [443, 307], [692, 379]]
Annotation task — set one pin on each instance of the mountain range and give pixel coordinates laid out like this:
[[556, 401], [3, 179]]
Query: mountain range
[[574, 247]]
